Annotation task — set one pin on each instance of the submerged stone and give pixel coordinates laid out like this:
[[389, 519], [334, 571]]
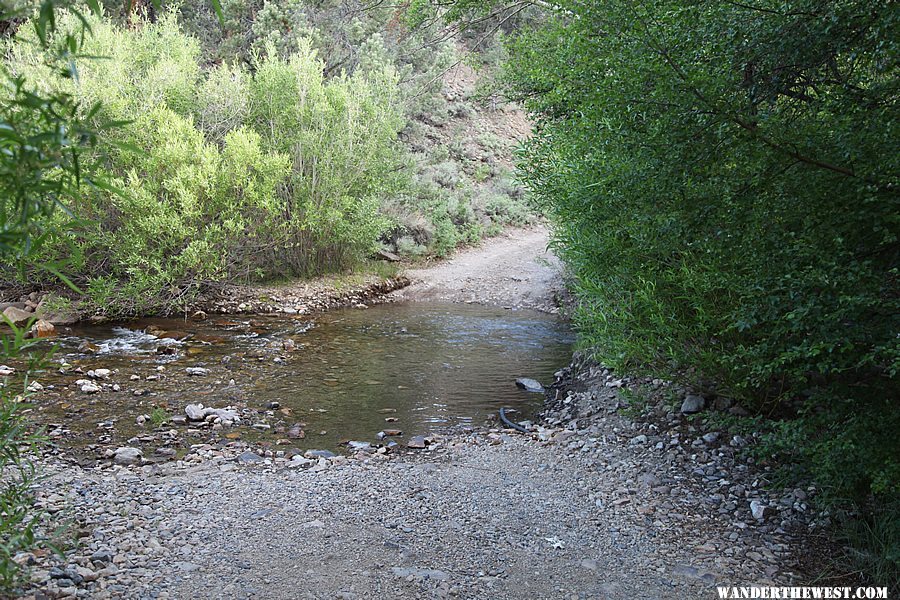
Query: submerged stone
[[530, 385]]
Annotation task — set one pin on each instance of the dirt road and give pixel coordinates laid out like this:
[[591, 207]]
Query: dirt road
[[514, 270]]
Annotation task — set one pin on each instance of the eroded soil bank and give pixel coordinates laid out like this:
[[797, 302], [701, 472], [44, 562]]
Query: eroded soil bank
[[591, 503]]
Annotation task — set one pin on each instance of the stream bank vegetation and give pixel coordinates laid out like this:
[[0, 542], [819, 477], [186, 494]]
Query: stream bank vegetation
[[290, 140], [43, 136], [723, 178]]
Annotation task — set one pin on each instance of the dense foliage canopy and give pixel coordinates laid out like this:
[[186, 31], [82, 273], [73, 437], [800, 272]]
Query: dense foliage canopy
[[723, 178]]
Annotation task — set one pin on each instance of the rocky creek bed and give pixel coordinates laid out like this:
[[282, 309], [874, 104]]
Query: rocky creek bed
[[377, 376], [590, 504], [599, 499]]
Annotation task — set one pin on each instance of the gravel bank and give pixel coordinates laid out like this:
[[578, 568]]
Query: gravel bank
[[596, 507]]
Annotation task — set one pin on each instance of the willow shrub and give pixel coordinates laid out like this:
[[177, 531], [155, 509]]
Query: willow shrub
[[723, 178], [223, 173]]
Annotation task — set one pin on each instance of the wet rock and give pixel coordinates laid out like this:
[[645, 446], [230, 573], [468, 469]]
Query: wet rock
[[167, 350], [88, 348], [17, 316], [692, 404], [128, 456], [43, 329], [199, 316], [359, 446], [197, 371], [417, 443], [530, 385]]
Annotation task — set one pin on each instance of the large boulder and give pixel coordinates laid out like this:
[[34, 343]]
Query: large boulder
[[17, 316]]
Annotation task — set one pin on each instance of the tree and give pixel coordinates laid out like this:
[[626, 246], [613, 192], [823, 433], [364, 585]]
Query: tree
[[723, 179]]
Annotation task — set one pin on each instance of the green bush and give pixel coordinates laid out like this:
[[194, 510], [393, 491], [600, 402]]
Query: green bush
[[352, 37], [21, 528], [725, 195], [723, 179], [42, 168], [221, 173]]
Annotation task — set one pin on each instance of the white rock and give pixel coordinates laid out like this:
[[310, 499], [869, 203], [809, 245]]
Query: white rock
[[197, 371], [128, 456], [195, 412], [758, 510], [88, 387], [99, 373]]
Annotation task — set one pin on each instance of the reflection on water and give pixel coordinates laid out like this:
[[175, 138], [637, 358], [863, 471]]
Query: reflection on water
[[345, 372]]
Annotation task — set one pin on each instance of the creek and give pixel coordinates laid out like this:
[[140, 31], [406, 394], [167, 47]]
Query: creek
[[343, 375]]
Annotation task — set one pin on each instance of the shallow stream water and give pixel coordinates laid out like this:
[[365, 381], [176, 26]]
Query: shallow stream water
[[346, 374]]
